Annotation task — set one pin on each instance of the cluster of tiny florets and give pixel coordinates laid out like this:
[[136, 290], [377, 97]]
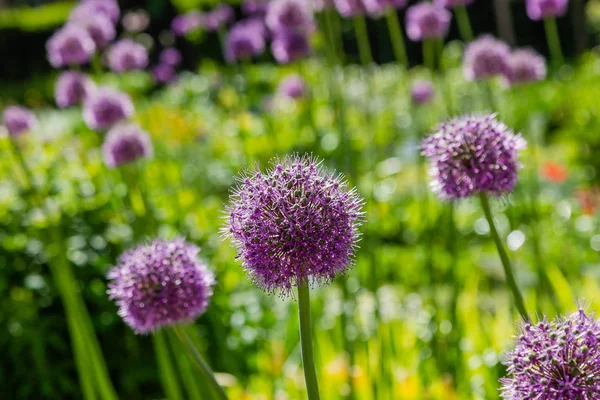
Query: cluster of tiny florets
[[558, 360], [294, 223], [471, 155], [160, 284]]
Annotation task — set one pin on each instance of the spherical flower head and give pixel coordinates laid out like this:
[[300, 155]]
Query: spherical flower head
[[92, 8], [127, 55], [100, 27], [255, 8], [399, 4], [349, 8], [472, 155], [136, 21], [558, 360], [70, 45], [18, 120], [422, 92], [485, 58], [295, 223], [292, 87], [105, 107], [186, 23], [540, 9], [427, 21], [72, 88], [289, 45], [376, 8], [160, 284], [125, 144], [290, 15], [220, 16], [525, 66], [170, 56], [452, 3], [244, 41], [164, 73]]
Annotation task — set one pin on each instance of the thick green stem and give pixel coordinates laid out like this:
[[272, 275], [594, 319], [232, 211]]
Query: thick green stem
[[397, 38], [464, 24], [23, 164], [489, 94], [508, 271], [165, 367], [308, 362], [362, 37], [553, 41], [201, 365], [429, 55]]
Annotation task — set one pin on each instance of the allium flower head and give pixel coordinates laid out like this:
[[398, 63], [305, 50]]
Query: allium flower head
[[293, 15], [170, 56], [255, 8], [289, 45], [452, 3], [124, 144], [349, 8], [164, 73], [293, 223], [100, 27], [93, 8], [540, 9], [219, 16], [136, 21], [160, 284], [292, 86], [106, 107], [485, 58], [525, 66], [70, 45], [471, 155], [244, 41], [186, 23], [72, 88], [18, 120], [422, 92], [427, 21], [558, 360], [127, 55], [376, 7]]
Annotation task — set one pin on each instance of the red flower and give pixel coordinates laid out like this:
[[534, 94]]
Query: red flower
[[555, 173]]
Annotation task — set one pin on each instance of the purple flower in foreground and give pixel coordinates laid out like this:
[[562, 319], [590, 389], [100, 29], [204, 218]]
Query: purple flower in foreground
[[485, 58], [164, 73], [170, 56], [288, 46], [422, 92], [525, 66], [72, 88], [295, 223], [127, 55], [289, 15], [100, 28], [292, 86], [540, 9], [471, 155], [93, 8], [452, 3], [70, 45], [186, 23], [349, 8], [244, 41], [18, 120], [160, 284], [124, 144], [558, 360], [427, 21], [106, 107]]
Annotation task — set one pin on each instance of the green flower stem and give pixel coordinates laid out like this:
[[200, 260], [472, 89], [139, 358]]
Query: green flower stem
[[429, 55], [553, 41], [397, 37], [362, 37], [22, 163], [167, 371], [308, 362], [508, 271], [464, 24], [489, 94], [201, 365]]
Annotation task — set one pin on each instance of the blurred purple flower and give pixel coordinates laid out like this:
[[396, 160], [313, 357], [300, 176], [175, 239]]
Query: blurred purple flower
[[124, 144], [295, 223], [127, 55], [170, 56], [160, 284], [255, 8], [220, 16], [186, 23], [471, 155], [540, 9], [292, 86], [525, 66], [92, 8], [135, 21], [485, 58], [18, 120], [452, 3], [290, 15], [349, 8], [70, 45], [427, 21], [105, 107], [100, 28], [244, 41], [164, 73], [422, 92], [72, 88], [288, 46], [376, 8]]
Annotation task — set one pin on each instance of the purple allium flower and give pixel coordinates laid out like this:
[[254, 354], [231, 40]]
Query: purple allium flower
[[186, 23], [72, 88], [170, 56], [485, 58], [295, 223], [540, 9], [376, 7], [18, 120], [292, 86], [290, 15], [427, 21], [255, 8], [525, 66], [422, 92], [220, 16], [160, 284], [136, 21], [452, 3], [558, 360], [164, 73], [473, 154], [93, 8], [100, 28], [244, 41], [127, 55], [125, 143], [349, 8], [70, 45], [105, 107], [288, 46]]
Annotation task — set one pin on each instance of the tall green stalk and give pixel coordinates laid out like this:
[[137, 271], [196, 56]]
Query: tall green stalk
[[464, 24], [397, 37], [308, 362], [362, 37], [22, 163], [553, 40]]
